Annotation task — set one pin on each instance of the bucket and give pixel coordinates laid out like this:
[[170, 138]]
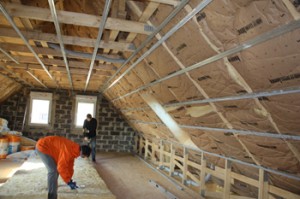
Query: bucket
[[13, 143], [3, 147], [26, 148]]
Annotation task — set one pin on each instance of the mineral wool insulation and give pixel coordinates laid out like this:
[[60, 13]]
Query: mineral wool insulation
[[271, 65]]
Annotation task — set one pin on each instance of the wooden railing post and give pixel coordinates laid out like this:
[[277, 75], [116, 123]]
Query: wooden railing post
[[146, 148], [227, 183], [141, 146], [161, 153], [263, 185], [172, 165], [202, 175], [136, 139], [185, 165]]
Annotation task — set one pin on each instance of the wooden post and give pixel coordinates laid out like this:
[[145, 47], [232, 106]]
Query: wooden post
[[136, 139], [172, 160], [153, 147], [141, 146], [146, 148], [202, 175], [263, 185], [161, 151], [227, 182], [185, 165]]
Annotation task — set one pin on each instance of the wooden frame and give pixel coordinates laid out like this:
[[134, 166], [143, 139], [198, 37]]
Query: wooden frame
[[168, 158]]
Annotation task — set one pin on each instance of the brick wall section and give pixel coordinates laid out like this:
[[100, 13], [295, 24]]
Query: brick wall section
[[113, 132]]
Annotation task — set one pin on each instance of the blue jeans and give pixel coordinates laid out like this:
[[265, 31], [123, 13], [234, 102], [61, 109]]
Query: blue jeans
[[52, 174], [92, 144]]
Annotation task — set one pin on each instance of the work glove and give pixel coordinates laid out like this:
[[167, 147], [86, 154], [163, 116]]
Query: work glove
[[72, 184]]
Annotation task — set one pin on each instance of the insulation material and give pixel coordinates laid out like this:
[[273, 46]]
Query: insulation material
[[183, 88], [146, 116], [7, 87], [145, 73], [269, 150], [130, 102], [163, 94], [156, 130], [216, 80], [160, 57], [271, 65], [197, 115], [31, 182], [285, 111], [246, 115]]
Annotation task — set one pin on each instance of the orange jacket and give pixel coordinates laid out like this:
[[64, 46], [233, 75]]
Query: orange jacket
[[63, 151]]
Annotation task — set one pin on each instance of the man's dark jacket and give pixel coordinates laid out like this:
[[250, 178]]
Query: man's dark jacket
[[91, 126]]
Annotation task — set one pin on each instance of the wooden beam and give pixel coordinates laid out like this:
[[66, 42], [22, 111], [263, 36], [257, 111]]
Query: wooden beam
[[167, 2], [227, 182], [79, 19], [202, 175], [263, 187], [185, 165], [146, 149], [45, 51], [172, 165], [143, 16], [60, 69], [69, 40], [161, 154], [73, 64], [141, 146]]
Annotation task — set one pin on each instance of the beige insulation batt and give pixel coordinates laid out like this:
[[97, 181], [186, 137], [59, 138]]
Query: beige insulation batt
[[270, 65], [30, 182]]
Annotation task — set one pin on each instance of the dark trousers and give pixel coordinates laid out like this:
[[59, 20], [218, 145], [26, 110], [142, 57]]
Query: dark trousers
[[92, 144], [52, 174]]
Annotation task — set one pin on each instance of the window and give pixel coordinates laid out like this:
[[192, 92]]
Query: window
[[84, 106], [40, 104]]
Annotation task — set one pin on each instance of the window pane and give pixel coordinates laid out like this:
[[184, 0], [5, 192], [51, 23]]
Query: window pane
[[83, 109], [40, 111]]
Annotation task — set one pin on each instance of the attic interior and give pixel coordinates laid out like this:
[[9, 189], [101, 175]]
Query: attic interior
[[193, 98]]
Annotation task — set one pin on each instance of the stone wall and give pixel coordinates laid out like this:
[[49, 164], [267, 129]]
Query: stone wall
[[113, 132]]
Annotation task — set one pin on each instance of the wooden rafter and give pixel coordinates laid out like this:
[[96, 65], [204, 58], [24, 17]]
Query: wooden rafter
[[80, 19], [69, 40]]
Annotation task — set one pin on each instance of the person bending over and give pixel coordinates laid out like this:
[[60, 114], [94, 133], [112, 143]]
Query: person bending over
[[58, 155], [89, 130]]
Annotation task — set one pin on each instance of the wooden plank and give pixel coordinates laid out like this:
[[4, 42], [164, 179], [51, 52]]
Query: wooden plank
[[245, 179], [74, 18], [185, 165], [141, 146], [227, 184], [72, 64], [172, 160], [143, 16], [292, 9], [69, 40], [283, 193], [146, 149], [161, 154], [189, 174], [263, 185], [45, 51], [202, 175]]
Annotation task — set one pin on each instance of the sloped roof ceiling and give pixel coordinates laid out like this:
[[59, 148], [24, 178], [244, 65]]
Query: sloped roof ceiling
[[221, 26]]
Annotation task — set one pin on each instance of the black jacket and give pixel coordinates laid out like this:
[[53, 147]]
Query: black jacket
[[91, 126]]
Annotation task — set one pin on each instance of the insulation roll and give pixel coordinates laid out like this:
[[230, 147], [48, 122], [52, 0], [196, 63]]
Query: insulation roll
[[3, 147]]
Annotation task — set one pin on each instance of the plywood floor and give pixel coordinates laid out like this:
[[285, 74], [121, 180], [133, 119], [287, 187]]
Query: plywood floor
[[128, 178]]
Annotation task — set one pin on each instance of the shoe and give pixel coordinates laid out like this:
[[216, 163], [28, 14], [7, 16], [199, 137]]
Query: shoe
[[94, 160]]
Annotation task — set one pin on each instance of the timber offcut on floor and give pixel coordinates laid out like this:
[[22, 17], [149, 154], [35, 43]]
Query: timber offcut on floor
[[127, 177]]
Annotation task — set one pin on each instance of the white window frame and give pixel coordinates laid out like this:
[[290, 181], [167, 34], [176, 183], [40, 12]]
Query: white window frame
[[40, 96], [84, 99]]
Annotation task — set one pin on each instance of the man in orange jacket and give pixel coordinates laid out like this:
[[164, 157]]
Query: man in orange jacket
[[58, 155]]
